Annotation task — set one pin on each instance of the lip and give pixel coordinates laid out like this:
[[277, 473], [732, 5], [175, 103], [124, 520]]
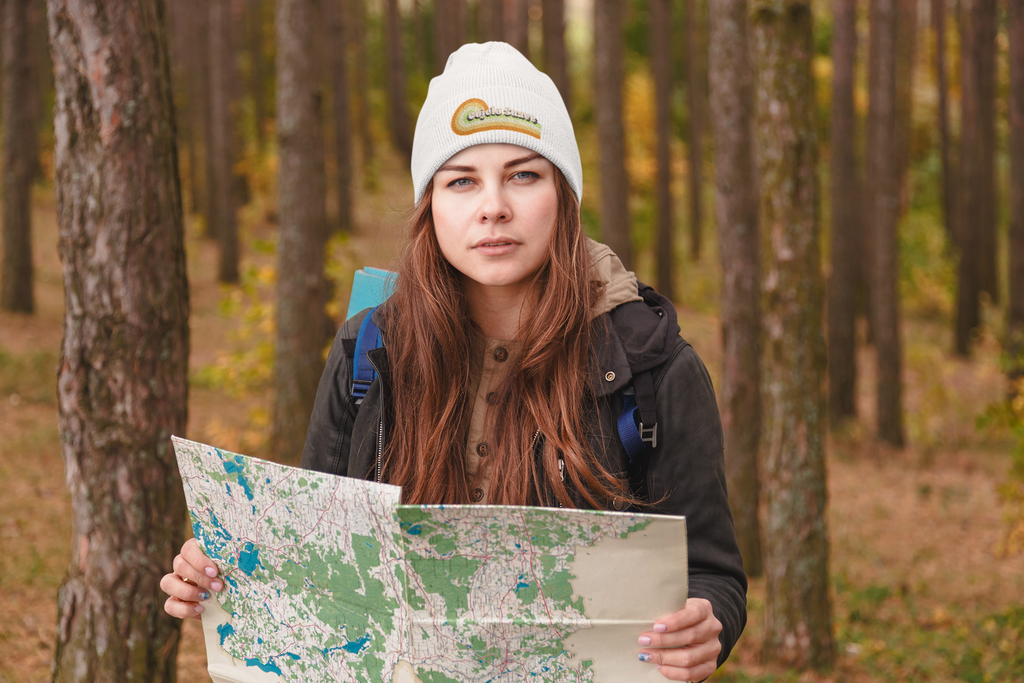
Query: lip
[[495, 242]]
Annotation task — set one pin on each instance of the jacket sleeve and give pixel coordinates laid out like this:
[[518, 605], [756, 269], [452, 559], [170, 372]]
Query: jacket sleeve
[[329, 435], [687, 477]]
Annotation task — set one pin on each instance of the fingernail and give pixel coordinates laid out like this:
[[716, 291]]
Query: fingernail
[[199, 608], [644, 657], [204, 595], [216, 585], [211, 572], [660, 628], [644, 640]]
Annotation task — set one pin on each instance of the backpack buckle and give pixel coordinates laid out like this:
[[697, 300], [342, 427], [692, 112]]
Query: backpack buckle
[[649, 435]]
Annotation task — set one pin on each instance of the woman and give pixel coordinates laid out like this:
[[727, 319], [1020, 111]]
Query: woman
[[510, 345]]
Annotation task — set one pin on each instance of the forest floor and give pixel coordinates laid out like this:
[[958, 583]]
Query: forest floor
[[920, 589]]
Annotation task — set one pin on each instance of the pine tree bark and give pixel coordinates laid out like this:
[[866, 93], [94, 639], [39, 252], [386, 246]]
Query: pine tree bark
[[695, 104], [301, 199], [883, 208], [205, 82], [516, 24], [983, 29], [846, 228], [398, 114], [1015, 309], [556, 63], [19, 157], [257, 69], [608, 82], [223, 76], [968, 313], [798, 618], [490, 18], [906, 55], [449, 30], [939, 25], [122, 386], [336, 12], [661, 61], [362, 82], [736, 206]]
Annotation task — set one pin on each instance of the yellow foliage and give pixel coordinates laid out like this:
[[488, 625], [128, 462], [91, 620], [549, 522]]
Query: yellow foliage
[[638, 118]]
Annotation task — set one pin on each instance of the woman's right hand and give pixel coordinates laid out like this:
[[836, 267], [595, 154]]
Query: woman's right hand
[[189, 585]]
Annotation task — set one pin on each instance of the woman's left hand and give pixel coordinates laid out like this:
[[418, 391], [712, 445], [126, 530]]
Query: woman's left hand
[[684, 645]]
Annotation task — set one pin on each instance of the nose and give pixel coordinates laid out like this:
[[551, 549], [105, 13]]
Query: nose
[[494, 206]]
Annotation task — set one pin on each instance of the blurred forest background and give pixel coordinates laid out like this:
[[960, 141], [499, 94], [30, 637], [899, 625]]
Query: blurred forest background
[[284, 167]]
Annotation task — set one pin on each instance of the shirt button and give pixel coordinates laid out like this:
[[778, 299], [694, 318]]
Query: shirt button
[[609, 376], [492, 398], [501, 354], [478, 495], [481, 449]]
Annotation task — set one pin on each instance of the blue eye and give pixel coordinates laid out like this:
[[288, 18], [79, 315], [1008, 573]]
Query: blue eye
[[459, 182], [526, 175]]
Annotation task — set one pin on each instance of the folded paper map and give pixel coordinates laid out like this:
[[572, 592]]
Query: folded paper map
[[329, 578]]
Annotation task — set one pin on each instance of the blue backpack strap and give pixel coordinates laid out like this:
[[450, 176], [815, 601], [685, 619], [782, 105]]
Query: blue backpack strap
[[363, 373], [637, 424]]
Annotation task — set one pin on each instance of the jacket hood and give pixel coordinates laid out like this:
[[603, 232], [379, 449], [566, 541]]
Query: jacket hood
[[634, 337]]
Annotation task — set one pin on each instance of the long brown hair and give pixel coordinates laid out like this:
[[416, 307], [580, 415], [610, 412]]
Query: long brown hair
[[547, 393]]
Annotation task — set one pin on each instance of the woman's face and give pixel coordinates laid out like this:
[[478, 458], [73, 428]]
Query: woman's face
[[494, 208]]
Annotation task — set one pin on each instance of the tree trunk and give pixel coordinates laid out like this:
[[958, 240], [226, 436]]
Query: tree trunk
[[301, 199], [336, 12], [205, 81], [362, 82], [1015, 310], [449, 30], [397, 112], [223, 77], [490, 18], [883, 208], [19, 157], [732, 109], [983, 25], [661, 62], [939, 24], [968, 313], [257, 70], [122, 386], [798, 618], [556, 63], [197, 65], [516, 22], [906, 52], [846, 229], [695, 103], [608, 80]]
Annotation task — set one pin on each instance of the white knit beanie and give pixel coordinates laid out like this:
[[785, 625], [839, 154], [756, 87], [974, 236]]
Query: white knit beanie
[[492, 93]]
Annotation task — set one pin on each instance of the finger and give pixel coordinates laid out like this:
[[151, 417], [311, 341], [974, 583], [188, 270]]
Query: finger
[[702, 632], [193, 567], [195, 556], [181, 609], [695, 611], [685, 664], [176, 587]]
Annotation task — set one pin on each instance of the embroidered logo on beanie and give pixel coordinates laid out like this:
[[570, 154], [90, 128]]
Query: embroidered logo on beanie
[[474, 116]]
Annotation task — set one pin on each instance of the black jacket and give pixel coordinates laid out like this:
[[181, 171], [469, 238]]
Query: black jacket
[[686, 472]]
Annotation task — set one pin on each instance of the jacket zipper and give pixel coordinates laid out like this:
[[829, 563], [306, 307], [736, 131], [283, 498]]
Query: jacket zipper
[[380, 446], [380, 422]]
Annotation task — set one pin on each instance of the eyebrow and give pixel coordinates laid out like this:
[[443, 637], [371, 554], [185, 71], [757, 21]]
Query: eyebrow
[[472, 169]]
